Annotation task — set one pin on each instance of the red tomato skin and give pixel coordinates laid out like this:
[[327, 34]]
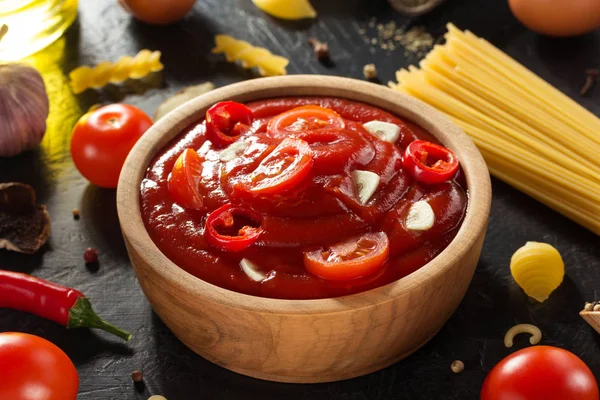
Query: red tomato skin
[[158, 12], [540, 373], [350, 269], [33, 368], [103, 138], [183, 185], [288, 178]]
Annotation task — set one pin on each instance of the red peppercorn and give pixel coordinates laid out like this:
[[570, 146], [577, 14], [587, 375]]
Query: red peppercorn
[[90, 255]]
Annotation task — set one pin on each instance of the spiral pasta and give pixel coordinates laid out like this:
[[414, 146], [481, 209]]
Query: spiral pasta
[[250, 56], [127, 67], [538, 269]]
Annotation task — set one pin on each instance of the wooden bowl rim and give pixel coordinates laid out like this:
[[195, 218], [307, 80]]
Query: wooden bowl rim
[[475, 168]]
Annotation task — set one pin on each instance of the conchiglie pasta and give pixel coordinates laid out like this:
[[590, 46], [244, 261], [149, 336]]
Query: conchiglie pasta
[[538, 269], [287, 9], [250, 56]]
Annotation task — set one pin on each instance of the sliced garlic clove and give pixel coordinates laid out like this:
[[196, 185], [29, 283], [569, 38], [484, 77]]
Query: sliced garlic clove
[[252, 270], [383, 130], [233, 151], [366, 183], [420, 217]]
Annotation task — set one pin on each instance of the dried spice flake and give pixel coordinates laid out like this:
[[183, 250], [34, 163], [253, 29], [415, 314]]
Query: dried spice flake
[[321, 49], [592, 75], [389, 36], [24, 226]]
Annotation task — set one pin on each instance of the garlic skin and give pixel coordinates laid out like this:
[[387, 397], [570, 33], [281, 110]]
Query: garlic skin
[[24, 108]]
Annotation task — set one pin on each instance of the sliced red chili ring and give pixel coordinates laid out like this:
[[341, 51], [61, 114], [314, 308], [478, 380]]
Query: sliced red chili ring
[[233, 229], [429, 162], [226, 121]]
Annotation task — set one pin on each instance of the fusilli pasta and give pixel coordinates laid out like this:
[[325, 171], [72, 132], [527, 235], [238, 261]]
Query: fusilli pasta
[[250, 56], [127, 67]]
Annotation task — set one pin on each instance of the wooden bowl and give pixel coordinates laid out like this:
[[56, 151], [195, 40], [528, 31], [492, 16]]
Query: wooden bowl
[[306, 340]]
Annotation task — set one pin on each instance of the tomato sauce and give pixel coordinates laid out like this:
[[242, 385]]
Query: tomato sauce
[[320, 209]]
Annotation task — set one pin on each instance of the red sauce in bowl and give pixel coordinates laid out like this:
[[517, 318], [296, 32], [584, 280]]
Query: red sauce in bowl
[[312, 213]]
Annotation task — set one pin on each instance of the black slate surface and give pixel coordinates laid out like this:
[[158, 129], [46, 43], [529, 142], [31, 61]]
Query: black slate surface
[[474, 334]]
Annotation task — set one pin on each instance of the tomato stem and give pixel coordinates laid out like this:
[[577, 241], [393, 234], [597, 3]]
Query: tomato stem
[[82, 315]]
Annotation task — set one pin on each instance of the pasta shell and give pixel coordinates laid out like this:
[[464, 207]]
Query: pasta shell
[[538, 269], [287, 9]]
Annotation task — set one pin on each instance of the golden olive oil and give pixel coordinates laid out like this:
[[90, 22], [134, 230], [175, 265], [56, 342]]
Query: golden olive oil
[[33, 25]]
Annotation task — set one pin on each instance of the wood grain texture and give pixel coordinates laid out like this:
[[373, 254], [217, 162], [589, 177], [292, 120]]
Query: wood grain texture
[[310, 340]]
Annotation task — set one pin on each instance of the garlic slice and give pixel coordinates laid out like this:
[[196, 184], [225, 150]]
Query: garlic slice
[[383, 130], [366, 183], [420, 216], [252, 270], [233, 151]]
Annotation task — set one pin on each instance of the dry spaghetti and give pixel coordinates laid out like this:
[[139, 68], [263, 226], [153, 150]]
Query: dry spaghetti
[[532, 136]]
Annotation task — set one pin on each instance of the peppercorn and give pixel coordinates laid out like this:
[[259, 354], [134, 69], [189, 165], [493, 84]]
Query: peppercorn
[[457, 366], [137, 376], [370, 71], [90, 255]]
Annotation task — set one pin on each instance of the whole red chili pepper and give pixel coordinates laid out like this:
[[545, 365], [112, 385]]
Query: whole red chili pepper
[[63, 305]]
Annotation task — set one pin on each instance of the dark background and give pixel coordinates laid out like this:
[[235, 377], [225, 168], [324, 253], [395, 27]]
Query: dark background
[[474, 334]]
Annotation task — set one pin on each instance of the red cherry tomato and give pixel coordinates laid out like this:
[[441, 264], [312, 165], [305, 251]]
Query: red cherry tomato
[[184, 180], [103, 138], [540, 373], [232, 229], [33, 368], [302, 119], [286, 166], [429, 162], [354, 258], [226, 121], [158, 12]]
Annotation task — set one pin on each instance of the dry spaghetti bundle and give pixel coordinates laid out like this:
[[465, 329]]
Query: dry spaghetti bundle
[[532, 136]]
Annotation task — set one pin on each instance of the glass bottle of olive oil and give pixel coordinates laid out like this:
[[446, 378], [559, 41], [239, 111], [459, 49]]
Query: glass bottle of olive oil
[[33, 25]]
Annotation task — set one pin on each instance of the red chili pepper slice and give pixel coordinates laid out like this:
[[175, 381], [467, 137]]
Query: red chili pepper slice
[[287, 165], [233, 228], [63, 305], [429, 162], [226, 121]]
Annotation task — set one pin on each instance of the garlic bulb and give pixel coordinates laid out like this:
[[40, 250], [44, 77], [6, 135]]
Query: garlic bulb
[[23, 108]]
